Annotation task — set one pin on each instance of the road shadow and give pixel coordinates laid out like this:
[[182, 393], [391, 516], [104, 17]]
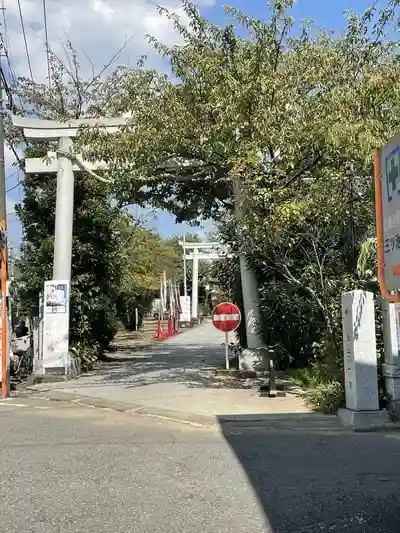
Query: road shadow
[[311, 475], [194, 365]]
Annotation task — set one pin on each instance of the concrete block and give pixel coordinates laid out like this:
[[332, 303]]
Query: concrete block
[[391, 374], [364, 420], [252, 361]]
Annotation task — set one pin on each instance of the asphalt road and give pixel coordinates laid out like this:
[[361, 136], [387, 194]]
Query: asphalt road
[[71, 469]]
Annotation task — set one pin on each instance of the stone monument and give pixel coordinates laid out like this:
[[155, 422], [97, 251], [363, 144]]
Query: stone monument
[[360, 363]]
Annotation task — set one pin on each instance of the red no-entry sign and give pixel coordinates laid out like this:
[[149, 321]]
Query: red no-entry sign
[[226, 317]]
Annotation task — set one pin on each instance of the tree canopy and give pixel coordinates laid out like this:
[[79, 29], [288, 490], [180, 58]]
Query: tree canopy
[[281, 121], [268, 109]]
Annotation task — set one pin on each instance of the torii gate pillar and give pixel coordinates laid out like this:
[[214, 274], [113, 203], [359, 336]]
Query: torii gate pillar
[[63, 233]]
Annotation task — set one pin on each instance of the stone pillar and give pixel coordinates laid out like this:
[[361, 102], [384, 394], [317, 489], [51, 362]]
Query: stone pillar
[[391, 366], [360, 362]]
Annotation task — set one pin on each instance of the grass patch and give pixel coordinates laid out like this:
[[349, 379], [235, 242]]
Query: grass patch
[[306, 378], [326, 396]]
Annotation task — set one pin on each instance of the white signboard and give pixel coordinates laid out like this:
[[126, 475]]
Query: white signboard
[[56, 324], [2, 310], [397, 311], [390, 172], [185, 315]]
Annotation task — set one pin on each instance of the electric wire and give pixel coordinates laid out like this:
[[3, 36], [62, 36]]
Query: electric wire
[[6, 48], [46, 36], [25, 39], [14, 187], [6, 44]]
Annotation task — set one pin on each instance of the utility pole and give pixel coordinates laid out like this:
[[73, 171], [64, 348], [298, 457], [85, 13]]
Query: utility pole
[[3, 265]]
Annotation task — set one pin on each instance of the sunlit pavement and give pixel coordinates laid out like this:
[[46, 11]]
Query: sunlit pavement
[[171, 377], [73, 469]]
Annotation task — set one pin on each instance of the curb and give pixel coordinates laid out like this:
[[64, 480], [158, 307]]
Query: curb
[[189, 419], [123, 407]]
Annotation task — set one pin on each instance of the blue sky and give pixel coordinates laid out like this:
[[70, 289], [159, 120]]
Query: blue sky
[[327, 13]]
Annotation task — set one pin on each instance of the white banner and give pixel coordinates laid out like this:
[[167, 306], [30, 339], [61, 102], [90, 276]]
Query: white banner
[[397, 311], [1, 338], [185, 315], [56, 324]]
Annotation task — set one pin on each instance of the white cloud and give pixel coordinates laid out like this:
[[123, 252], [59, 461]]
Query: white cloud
[[96, 28]]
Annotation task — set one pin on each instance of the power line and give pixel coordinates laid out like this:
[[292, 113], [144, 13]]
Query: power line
[[10, 176], [15, 186], [6, 43], [7, 53], [25, 40], [5, 85], [14, 151], [46, 36]]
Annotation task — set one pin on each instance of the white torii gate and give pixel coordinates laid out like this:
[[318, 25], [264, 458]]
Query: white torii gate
[[200, 250], [63, 162]]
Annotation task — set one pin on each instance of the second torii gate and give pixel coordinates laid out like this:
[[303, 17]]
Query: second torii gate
[[200, 250]]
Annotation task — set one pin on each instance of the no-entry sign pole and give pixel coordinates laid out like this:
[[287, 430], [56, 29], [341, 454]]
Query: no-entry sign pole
[[226, 317], [226, 351]]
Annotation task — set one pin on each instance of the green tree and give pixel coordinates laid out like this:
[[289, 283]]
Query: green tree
[[146, 256], [97, 261], [266, 110], [288, 117]]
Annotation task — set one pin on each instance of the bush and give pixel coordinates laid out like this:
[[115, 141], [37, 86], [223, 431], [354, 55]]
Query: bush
[[323, 380], [86, 353], [326, 397], [104, 326]]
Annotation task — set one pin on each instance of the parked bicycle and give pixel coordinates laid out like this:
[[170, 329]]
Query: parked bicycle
[[21, 363]]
